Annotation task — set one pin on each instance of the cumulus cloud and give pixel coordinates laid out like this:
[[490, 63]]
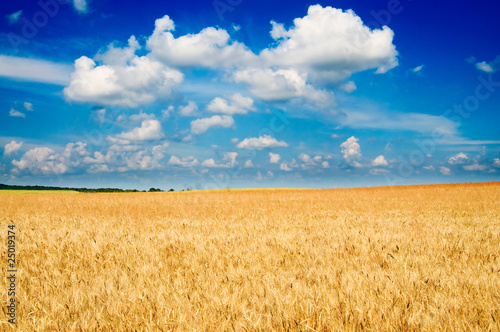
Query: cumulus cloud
[[39, 160], [259, 143], [445, 170], [15, 113], [308, 161], [284, 167], [200, 126], [429, 168], [496, 162], [12, 147], [248, 164], [280, 85], [139, 117], [351, 151], [98, 159], [191, 109], [43, 160], [274, 158], [141, 160], [326, 46], [229, 161], [28, 106], [189, 161], [123, 79], [379, 161], [349, 87], [490, 67], [99, 168], [149, 130], [325, 164], [237, 105], [208, 48], [458, 159], [332, 44]]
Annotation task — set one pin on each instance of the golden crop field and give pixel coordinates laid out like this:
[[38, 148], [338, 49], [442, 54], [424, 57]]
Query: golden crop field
[[416, 258]]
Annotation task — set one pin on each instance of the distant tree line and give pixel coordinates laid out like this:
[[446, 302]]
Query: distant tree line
[[83, 190]]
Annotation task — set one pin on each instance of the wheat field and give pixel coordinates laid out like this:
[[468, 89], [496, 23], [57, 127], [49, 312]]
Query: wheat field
[[416, 258]]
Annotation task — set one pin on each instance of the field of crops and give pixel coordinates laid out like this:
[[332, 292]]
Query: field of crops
[[417, 258]]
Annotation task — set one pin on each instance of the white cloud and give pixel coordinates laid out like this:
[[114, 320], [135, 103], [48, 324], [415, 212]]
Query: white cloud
[[378, 171], [15, 113], [98, 159], [200, 126], [248, 164], [237, 105], [496, 162], [274, 158], [38, 160], [483, 66], [14, 17], [43, 160], [284, 167], [99, 168], [491, 67], [332, 44], [165, 114], [416, 122], [189, 161], [264, 141], [12, 147], [282, 84], [123, 79], [417, 69], [349, 87], [458, 159], [191, 109], [140, 117], [208, 48], [305, 158], [229, 158], [81, 6], [141, 160], [149, 130], [444, 170], [379, 161], [429, 168], [335, 136], [34, 70], [351, 151], [308, 162], [28, 106], [475, 167]]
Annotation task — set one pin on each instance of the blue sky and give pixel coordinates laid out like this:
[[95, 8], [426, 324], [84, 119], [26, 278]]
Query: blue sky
[[237, 93]]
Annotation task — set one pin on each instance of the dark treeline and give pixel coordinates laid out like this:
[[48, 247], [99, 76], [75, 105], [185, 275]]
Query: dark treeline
[[83, 190]]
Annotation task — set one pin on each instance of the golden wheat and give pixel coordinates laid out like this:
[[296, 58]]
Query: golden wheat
[[417, 258]]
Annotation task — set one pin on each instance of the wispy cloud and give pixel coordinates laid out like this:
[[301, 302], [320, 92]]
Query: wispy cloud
[[34, 70], [14, 17]]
